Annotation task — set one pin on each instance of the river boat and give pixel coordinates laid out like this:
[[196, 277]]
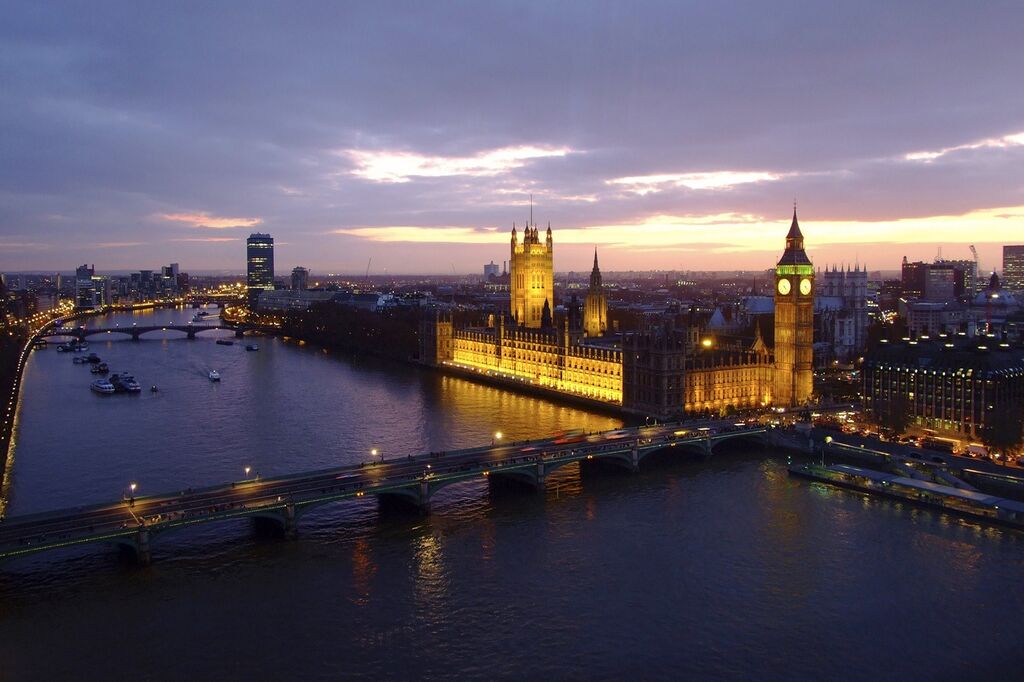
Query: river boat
[[252, 346], [81, 347], [78, 360], [225, 342], [214, 375], [153, 389], [66, 347], [102, 386], [101, 368], [130, 384], [92, 358]]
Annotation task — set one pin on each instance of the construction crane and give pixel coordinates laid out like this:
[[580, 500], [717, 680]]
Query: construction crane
[[367, 276]]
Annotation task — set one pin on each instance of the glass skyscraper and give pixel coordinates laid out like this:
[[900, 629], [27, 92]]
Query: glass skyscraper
[[260, 265], [1013, 268]]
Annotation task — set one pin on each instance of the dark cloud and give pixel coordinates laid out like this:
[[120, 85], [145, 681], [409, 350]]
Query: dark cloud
[[114, 113]]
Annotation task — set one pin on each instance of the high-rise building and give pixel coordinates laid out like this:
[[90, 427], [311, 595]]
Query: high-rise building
[[965, 275], [259, 249], [913, 276], [490, 271], [794, 322], [532, 282], [1013, 268], [595, 307], [85, 289], [300, 279]]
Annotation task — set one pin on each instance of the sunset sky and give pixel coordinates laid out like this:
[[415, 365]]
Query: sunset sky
[[670, 135]]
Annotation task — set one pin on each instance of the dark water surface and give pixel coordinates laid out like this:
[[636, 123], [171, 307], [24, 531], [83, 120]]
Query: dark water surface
[[720, 569]]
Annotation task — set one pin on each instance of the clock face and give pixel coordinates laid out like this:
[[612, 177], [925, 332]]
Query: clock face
[[805, 286], [784, 286]]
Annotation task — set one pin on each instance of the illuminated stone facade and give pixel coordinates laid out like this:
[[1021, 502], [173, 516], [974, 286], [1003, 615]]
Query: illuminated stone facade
[[548, 358], [659, 371], [532, 277], [595, 307], [794, 322]]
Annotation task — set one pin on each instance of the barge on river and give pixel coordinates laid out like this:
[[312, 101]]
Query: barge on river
[[968, 503]]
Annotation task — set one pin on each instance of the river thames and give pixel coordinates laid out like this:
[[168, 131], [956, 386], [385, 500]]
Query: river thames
[[690, 569]]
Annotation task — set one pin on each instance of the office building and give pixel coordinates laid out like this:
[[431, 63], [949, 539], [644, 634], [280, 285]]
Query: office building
[[1013, 268], [300, 279], [259, 250]]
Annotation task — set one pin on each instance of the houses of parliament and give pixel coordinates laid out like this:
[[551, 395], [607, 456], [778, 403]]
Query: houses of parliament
[[665, 369]]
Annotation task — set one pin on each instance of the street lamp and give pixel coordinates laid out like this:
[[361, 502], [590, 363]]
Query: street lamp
[[497, 436], [373, 453], [131, 493], [247, 469]]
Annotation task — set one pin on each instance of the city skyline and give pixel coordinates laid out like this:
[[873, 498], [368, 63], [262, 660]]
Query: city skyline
[[674, 139]]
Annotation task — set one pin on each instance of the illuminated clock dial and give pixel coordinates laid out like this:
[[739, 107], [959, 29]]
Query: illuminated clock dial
[[805, 286], [784, 286]]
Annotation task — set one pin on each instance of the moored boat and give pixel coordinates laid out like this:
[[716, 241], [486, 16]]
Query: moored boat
[[214, 375], [102, 386]]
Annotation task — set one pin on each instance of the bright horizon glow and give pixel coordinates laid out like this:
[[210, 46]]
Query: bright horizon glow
[[727, 232], [399, 167]]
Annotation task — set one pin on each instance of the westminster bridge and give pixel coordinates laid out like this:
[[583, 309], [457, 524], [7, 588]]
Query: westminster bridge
[[135, 332], [134, 522]]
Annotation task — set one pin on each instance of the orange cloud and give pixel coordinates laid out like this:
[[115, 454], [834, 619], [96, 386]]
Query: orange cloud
[[208, 221]]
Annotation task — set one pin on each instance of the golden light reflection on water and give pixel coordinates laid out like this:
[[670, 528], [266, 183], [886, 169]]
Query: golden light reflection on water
[[431, 584], [363, 571], [491, 409]]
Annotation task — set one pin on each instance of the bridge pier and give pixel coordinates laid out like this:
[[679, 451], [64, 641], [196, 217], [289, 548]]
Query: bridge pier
[[191, 333], [239, 333], [424, 498], [136, 334], [291, 529], [142, 552]]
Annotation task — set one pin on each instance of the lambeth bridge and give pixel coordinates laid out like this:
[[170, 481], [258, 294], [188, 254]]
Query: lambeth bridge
[[281, 501], [135, 332]]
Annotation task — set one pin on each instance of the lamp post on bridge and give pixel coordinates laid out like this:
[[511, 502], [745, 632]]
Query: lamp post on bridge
[[131, 494], [247, 470], [497, 438]]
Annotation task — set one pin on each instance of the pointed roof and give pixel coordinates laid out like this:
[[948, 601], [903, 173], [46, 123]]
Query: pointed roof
[[595, 259], [794, 228], [794, 253]]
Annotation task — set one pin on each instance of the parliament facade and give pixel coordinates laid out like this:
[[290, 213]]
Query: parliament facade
[[662, 370]]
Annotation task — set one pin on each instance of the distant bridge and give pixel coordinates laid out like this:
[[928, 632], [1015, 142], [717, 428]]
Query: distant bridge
[[135, 332], [282, 500]]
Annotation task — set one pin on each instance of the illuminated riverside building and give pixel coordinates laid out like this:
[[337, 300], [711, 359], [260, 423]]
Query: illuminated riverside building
[[595, 306], [952, 383], [532, 282], [794, 322], [660, 370]]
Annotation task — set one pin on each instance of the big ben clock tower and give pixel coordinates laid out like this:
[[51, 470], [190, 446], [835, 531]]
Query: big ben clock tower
[[794, 322]]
